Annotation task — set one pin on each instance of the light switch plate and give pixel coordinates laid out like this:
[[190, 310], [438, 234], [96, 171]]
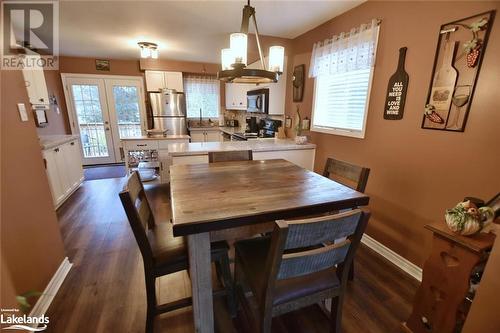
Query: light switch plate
[[22, 111]]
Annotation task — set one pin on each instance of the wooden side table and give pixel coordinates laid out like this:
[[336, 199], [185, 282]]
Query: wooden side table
[[445, 279]]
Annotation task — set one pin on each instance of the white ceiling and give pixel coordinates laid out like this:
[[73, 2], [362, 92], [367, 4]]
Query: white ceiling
[[184, 30]]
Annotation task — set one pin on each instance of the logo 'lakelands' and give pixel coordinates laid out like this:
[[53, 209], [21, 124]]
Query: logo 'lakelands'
[[24, 322]]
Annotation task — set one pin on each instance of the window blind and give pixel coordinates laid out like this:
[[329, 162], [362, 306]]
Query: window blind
[[340, 100], [202, 92]]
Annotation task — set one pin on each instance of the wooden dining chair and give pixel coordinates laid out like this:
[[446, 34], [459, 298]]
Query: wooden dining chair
[[162, 253], [297, 266], [348, 174], [226, 156]]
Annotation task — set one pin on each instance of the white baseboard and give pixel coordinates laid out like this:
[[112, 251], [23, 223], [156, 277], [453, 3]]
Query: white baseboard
[[393, 257], [43, 303]]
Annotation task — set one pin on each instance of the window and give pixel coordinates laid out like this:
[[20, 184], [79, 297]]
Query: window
[[341, 103], [343, 72], [202, 93]]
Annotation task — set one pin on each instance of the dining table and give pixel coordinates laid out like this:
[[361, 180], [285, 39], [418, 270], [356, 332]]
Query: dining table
[[213, 201]]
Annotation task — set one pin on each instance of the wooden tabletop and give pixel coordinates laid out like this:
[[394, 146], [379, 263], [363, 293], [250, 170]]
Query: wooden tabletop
[[208, 197]]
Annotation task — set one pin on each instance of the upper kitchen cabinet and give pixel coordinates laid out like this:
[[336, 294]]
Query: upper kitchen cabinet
[[236, 96], [36, 86], [156, 80]]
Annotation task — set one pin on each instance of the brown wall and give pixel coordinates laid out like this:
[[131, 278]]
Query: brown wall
[[415, 174], [31, 245]]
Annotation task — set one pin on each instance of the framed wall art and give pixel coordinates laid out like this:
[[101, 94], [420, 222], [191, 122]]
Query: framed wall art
[[459, 54], [298, 83], [102, 65]]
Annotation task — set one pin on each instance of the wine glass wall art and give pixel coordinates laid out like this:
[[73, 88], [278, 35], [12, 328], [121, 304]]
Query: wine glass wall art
[[459, 54]]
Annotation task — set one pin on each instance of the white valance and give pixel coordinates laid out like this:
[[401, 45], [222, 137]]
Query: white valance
[[345, 52]]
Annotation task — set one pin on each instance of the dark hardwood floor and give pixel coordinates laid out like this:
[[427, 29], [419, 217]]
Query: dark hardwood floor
[[104, 291]]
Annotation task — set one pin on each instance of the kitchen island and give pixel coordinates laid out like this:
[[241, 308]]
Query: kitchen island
[[151, 150], [262, 149]]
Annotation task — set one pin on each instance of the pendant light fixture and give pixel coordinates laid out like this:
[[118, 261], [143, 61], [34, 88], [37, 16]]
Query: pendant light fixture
[[234, 58], [148, 50]]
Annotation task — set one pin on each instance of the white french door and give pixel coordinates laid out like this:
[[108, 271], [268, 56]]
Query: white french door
[[102, 110]]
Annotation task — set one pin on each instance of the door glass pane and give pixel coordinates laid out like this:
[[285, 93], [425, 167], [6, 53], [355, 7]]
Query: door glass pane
[[127, 111], [90, 120]]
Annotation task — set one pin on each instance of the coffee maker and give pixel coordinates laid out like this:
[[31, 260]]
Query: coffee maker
[[252, 125]]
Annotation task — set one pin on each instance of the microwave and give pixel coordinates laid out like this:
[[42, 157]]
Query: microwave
[[258, 101]]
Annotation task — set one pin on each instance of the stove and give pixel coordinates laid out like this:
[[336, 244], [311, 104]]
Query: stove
[[244, 136]]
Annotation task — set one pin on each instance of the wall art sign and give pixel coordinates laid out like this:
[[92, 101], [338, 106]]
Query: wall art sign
[[396, 90], [459, 55], [298, 82]]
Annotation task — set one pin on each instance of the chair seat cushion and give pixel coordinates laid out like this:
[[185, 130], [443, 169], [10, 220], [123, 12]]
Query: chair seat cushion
[[252, 254], [170, 253]]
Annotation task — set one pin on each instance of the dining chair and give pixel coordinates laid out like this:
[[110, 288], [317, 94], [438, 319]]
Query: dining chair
[[297, 266], [348, 174], [226, 156], [162, 253]]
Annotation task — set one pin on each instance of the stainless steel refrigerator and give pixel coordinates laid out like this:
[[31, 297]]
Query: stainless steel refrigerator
[[168, 112]]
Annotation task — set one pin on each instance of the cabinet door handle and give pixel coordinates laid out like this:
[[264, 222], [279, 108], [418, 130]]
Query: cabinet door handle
[[142, 145], [45, 163], [122, 153], [72, 143], [56, 150]]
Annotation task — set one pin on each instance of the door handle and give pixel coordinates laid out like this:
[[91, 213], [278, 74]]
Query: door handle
[[107, 128]]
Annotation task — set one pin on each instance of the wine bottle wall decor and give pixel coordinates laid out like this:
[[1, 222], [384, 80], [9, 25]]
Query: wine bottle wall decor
[[396, 90], [459, 54]]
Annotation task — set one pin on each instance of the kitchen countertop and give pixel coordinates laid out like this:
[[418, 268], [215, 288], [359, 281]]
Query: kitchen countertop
[[157, 137], [202, 148], [51, 141], [225, 129]]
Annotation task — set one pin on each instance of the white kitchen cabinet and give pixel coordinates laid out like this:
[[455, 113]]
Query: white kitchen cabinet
[[206, 135], [56, 187], [36, 86], [236, 96], [197, 136], [74, 166], [173, 80], [156, 80], [213, 136], [63, 165], [302, 157]]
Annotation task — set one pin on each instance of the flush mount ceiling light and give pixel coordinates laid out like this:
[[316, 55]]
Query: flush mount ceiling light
[[234, 58], [148, 50]]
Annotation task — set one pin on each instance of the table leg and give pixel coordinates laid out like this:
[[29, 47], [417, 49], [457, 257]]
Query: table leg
[[201, 282]]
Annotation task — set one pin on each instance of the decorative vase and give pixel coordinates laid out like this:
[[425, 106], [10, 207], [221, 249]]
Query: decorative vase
[[301, 139]]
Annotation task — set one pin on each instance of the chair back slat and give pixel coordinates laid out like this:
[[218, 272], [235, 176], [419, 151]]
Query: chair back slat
[[311, 261], [138, 212], [227, 156], [347, 174], [314, 231]]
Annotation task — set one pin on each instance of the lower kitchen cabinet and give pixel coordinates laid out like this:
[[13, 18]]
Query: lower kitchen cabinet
[[209, 135], [63, 165]]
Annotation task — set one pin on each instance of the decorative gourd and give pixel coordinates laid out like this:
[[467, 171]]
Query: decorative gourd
[[466, 219]]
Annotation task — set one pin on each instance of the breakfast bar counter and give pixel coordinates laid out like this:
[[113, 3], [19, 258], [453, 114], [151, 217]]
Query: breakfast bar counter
[[262, 149]]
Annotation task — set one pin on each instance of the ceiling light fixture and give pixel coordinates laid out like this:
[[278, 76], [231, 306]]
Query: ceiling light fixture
[[148, 50], [234, 59]]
